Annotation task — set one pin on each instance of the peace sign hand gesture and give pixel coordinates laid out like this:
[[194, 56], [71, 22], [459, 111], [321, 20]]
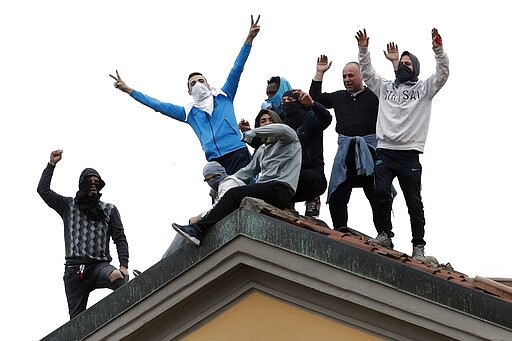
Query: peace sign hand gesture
[[120, 84], [253, 31]]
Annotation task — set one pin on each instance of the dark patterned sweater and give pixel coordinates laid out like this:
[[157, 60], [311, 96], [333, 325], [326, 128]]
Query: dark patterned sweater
[[86, 241]]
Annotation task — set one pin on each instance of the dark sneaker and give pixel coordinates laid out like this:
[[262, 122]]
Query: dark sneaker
[[191, 232], [313, 208], [418, 253], [136, 272], [383, 240]]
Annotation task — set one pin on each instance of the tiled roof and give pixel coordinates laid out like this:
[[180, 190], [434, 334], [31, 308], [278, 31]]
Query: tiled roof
[[278, 248], [359, 240]]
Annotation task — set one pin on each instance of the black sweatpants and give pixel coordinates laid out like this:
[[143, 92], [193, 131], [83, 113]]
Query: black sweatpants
[[274, 193], [312, 184], [405, 165]]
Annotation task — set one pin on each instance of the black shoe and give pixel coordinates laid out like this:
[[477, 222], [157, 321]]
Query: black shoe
[[313, 208], [191, 232]]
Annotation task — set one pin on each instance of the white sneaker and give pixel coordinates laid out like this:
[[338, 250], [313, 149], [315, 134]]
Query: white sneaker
[[418, 253], [383, 240]]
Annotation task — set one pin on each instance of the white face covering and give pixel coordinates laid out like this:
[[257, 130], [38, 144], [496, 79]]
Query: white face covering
[[200, 92], [203, 98]]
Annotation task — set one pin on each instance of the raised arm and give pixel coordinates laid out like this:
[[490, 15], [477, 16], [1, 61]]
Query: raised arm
[[253, 30], [322, 65], [392, 54], [120, 84], [436, 81], [174, 111], [52, 199], [370, 77]]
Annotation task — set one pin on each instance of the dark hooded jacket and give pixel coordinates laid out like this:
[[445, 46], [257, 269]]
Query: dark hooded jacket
[[309, 124], [86, 240]]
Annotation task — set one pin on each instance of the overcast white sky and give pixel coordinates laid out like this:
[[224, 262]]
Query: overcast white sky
[[56, 93]]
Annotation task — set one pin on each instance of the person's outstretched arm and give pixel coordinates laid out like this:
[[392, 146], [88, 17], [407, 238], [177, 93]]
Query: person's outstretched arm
[[231, 85], [315, 89], [370, 77], [439, 78], [174, 111], [253, 31]]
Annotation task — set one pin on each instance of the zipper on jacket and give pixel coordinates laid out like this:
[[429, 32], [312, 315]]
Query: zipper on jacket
[[213, 135]]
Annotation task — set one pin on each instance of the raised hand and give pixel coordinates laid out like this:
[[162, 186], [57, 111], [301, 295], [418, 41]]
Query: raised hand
[[120, 84], [55, 156], [323, 64], [436, 38], [392, 52], [305, 98], [253, 31], [362, 38], [244, 125]]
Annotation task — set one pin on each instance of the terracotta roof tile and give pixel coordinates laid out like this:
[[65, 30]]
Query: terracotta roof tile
[[359, 240]]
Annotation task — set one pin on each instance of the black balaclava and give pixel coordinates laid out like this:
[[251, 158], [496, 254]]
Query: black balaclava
[[294, 112], [89, 205], [404, 74]]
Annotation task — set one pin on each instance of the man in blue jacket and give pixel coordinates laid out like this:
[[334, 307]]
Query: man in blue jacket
[[211, 114]]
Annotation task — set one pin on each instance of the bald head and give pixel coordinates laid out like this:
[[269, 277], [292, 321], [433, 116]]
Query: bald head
[[352, 78]]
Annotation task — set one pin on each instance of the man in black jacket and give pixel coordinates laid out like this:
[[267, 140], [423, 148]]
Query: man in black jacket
[[309, 119], [88, 225], [356, 116]]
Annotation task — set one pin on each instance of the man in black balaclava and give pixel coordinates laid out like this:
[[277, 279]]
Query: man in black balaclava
[[405, 106], [309, 119], [88, 225]]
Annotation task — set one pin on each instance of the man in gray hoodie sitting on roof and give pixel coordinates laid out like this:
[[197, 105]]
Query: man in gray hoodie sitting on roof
[[277, 161]]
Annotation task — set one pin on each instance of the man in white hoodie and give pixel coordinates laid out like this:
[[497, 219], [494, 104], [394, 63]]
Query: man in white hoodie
[[402, 125]]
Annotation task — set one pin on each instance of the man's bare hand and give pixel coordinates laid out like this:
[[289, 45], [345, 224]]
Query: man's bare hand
[[323, 64], [253, 31], [120, 84], [362, 38], [55, 156], [392, 53], [436, 38], [305, 98], [244, 125], [124, 271]]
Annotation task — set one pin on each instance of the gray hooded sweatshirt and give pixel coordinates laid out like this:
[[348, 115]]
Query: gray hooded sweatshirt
[[404, 109], [278, 158]]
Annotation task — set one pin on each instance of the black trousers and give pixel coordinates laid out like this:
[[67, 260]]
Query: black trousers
[[274, 193], [312, 184], [338, 202], [404, 165], [78, 285]]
